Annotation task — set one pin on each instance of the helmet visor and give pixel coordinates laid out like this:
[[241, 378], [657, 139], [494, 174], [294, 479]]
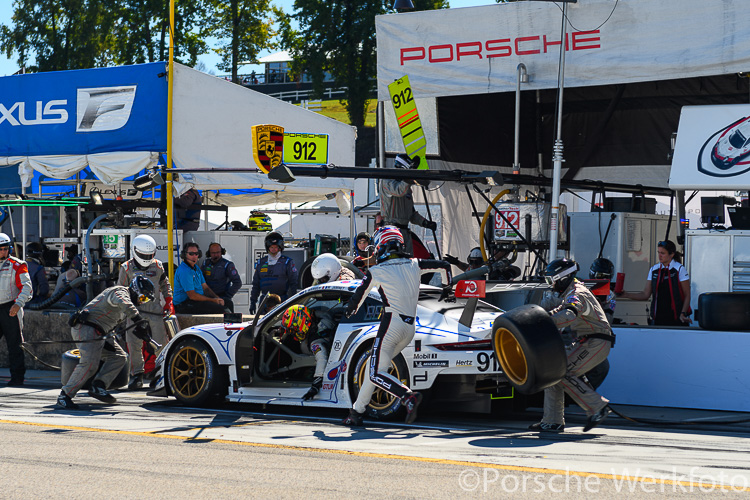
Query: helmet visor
[[144, 256], [550, 280]]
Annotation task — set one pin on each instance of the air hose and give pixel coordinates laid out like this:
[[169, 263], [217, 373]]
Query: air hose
[[62, 291]]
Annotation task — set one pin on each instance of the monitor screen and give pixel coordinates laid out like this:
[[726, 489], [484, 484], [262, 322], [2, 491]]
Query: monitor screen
[[712, 210]]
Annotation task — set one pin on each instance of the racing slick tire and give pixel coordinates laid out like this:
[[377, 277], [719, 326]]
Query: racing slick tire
[[192, 372], [383, 405], [724, 311], [70, 360], [529, 348]]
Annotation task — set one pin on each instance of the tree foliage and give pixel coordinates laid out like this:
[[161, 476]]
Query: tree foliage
[[77, 34], [243, 28], [338, 37]]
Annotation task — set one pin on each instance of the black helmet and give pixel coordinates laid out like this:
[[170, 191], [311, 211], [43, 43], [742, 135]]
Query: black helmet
[[602, 269], [404, 161], [560, 273], [363, 236], [34, 250], [274, 238], [141, 290]]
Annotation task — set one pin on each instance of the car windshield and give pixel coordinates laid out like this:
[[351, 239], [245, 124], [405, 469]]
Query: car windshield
[[736, 139]]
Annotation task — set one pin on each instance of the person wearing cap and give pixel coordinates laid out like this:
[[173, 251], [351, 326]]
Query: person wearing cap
[[274, 272], [143, 263], [39, 283], [15, 292], [397, 203]]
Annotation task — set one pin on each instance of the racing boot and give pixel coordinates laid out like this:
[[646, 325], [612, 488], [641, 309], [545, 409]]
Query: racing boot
[[354, 419], [99, 392], [597, 418], [547, 427], [136, 382], [65, 403], [411, 402]]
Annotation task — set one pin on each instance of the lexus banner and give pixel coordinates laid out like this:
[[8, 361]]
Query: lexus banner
[[477, 50]]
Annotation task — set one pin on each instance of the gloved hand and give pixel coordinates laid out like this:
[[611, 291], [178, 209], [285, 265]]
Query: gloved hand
[[168, 306], [350, 310], [358, 262], [430, 224], [451, 260], [447, 295], [151, 346], [143, 332], [253, 307], [314, 389], [424, 182]]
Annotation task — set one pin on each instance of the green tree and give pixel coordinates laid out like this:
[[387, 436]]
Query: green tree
[[338, 37], [243, 28], [76, 34]]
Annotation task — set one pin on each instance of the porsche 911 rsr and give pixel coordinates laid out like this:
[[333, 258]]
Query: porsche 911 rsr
[[733, 145], [257, 363]]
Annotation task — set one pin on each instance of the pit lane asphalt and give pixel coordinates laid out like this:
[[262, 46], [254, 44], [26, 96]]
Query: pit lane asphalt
[[152, 446]]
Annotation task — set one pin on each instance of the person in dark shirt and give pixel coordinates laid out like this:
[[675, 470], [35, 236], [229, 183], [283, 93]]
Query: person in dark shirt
[[221, 275]]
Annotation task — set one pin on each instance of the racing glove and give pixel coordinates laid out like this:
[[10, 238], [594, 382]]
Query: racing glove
[[314, 389], [451, 260], [168, 306], [447, 295], [253, 307], [358, 262], [430, 224], [143, 332]]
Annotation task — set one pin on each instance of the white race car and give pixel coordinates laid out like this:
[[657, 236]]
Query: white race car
[[256, 363]]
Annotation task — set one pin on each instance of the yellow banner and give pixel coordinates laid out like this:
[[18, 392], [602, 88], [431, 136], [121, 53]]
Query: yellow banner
[[306, 148], [408, 120]]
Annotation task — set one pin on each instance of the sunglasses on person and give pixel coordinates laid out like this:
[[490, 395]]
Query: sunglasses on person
[[192, 253]]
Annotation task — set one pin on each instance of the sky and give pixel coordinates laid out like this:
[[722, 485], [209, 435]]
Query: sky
[[9, 66]]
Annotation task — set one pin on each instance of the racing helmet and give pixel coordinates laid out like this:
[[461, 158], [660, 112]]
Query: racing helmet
[[389, 243], [363, 236], [326, 267], [4, 241], [143, 250], [259, 221], [297, 320], [475, 258], [141, 290], [560, 273], [404, 161], [602, 269], [274, 238]]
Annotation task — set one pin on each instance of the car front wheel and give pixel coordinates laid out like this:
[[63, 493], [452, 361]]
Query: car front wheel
[[192, 372]]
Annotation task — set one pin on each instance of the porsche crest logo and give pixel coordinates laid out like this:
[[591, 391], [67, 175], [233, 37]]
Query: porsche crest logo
[[268, 143]]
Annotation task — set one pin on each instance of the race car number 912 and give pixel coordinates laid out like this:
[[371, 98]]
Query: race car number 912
[[485, 361]]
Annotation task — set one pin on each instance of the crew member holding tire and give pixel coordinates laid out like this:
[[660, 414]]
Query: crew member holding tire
[[99, 317], [15, 292], [584, 316], [143, 263], [314, 331], [668, 287], [397, 278], [274, 273], [397, 204]]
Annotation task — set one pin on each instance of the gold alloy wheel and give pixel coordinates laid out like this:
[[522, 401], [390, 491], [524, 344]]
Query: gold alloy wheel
[[188, 372], [511, 356], [381, 399]]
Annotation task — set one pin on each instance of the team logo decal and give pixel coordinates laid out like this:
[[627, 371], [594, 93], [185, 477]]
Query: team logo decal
[[727, 152], [268, 146]]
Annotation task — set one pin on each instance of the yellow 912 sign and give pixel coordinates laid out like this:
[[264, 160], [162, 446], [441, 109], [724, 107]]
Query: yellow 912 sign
[[306, 148], [407, 117]]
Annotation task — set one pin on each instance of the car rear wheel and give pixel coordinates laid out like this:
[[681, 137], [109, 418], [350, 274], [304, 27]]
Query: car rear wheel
[[383, 405], [529, 348], [192, 373]]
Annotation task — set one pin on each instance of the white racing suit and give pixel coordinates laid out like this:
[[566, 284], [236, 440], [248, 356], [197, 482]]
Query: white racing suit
[[584, 316], [99, 317], [152, 310], [398, 284], [15, 289]]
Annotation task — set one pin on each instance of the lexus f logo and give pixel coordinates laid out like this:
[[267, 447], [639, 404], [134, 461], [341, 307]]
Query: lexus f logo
[[104, 108]]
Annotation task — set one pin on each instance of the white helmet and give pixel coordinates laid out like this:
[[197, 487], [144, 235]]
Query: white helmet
[[326, 267], [143, 250], [5, 242]]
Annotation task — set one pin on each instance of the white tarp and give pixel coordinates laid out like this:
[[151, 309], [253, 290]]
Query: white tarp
[[211, 127], [712, 149], [476, 50]]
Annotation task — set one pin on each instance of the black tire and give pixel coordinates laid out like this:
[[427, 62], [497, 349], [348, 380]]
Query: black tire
[[383, 405], [529, 348], [724, 311], [305, 274], [192, 373], [70, 360]]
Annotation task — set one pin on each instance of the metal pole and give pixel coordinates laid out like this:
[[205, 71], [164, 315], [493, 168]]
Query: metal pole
[[23, 223], [352, 235], [381, 133], [557, 159], [521, 75]]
